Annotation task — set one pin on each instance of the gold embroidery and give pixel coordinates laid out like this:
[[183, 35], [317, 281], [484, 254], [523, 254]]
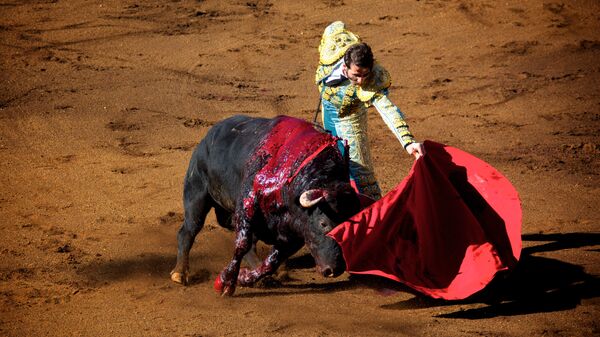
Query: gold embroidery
[[380, 80], [347, 100], [322, 72], [331, 94], [334, 42]]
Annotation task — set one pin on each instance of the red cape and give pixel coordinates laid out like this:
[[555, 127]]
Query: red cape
[[445, 230]]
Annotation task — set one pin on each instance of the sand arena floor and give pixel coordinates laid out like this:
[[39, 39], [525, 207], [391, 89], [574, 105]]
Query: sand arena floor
[[102, 103]]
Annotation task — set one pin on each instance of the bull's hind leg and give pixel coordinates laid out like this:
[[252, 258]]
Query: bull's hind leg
[[197, 204]]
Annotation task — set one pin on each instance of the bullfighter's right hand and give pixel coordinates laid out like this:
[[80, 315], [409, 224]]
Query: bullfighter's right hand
[[416, 149]]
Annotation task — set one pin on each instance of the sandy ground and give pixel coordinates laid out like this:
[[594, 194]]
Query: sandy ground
[[102, 102]]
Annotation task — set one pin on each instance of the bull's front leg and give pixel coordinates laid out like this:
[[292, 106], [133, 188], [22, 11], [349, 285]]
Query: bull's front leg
[[279, 253], [227, 279]]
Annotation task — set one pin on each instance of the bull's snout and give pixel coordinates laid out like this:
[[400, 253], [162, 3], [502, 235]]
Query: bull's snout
[[328, 257], [327, 271]]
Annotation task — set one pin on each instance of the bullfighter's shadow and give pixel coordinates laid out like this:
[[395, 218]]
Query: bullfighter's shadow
[[537, 284]]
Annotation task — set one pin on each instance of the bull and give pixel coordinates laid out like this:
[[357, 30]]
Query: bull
[[282, 181]]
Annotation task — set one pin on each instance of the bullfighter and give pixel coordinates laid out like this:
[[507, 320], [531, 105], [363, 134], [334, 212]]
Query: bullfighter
[[349, 81]]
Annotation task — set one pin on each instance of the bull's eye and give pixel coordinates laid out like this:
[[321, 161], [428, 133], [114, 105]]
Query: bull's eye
[[324, 225]]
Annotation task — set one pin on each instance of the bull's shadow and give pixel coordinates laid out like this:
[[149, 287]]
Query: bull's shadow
[[148, 265], [537, 284]]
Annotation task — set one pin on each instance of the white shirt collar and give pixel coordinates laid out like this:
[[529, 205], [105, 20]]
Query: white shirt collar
[[337, 75]]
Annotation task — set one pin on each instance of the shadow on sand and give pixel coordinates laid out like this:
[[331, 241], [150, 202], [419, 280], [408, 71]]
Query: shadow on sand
[[537, 284], [149, 266]]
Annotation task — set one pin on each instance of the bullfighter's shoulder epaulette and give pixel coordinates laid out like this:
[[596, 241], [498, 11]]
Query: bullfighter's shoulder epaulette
[[379, 80]]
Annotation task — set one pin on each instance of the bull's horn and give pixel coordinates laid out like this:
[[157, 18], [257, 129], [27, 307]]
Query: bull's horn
[[311, 197]]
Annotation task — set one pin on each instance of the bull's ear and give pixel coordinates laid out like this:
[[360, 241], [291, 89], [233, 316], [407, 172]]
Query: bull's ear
[[312, 197]]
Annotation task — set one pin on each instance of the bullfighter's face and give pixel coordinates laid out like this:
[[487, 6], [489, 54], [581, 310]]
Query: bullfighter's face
[[356, 74]]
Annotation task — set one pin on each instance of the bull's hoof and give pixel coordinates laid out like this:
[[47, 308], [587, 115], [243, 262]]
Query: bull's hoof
[[218, 285], [181, 278], [222, 289]]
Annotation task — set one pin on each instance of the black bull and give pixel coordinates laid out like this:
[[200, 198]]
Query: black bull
[[281, 181]]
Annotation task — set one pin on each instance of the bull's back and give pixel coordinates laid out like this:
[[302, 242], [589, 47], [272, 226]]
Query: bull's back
[[220, 159]]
